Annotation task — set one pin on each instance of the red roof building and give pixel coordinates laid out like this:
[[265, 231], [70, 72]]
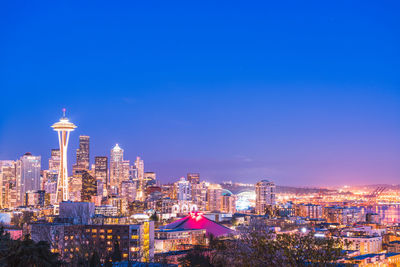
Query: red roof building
[[196, 220]]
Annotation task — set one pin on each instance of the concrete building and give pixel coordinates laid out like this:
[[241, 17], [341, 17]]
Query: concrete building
[[214, 198], [310, 211], [199, 195], [82, 153], [228, 202], [35, 198], [119, 169], [178, 239], [265, 196], [341, 215], [136, 241], [28, 175], [364, 244], [183, 190], [8, 184]]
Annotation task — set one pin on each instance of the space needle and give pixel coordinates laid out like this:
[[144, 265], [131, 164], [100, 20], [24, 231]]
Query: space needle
[[63, 128]]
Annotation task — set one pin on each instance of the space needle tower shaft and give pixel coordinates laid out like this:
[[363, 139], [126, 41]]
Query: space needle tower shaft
[[63, 128]]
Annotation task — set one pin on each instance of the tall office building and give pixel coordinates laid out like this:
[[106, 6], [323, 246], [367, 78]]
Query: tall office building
[[54, 161], [139, 165], [101, 171], [199, 195], [63, 128], [8, 184], [149, 179], [193, 178], [82, 156], [82, 153], [214, 197], [183, 190], [28, 175], [228, 202], [265, 196], [89, 187], [119, 169]]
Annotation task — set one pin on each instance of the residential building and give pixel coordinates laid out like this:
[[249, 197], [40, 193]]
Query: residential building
[[265, 195]]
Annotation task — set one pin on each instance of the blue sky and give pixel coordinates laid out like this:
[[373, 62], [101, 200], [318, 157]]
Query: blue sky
[[301, 93]]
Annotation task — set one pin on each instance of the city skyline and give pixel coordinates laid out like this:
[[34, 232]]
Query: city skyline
[[302, 94]]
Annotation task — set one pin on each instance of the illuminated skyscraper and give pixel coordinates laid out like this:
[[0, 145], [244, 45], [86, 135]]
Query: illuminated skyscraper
[[119, 169], [265, 196], [28, 175], [54, 161], [63, 128], [101, 171], [139, 165], [89, 187], [8, 184], [183, 190], [214, 197], [82, 153]]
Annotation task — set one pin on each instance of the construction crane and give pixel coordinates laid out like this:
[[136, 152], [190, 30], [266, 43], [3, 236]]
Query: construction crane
[[373, 196]]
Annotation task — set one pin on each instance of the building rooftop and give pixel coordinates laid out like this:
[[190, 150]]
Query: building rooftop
[[196, 220]]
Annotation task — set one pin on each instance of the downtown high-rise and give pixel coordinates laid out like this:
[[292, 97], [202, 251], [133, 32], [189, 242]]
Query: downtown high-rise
[[265, 196], [28, 175], [119, 169]]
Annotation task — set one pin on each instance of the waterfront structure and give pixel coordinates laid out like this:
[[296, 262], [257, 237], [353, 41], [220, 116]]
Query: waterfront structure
[[28, 175], [265, 196], [63, 128]]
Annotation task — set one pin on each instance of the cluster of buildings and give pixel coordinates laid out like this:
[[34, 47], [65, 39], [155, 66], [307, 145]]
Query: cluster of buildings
[[113, 202]]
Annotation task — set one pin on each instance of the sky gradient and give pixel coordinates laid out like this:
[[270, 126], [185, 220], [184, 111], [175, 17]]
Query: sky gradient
[[302, 94]]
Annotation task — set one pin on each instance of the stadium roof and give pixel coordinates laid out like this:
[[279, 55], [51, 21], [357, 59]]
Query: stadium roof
[[196, 220]]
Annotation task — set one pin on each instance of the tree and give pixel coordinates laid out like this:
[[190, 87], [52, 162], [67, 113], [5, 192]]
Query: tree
[[26, 252], [262, 248], [116, 254], [154, 217], [196, 257]]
